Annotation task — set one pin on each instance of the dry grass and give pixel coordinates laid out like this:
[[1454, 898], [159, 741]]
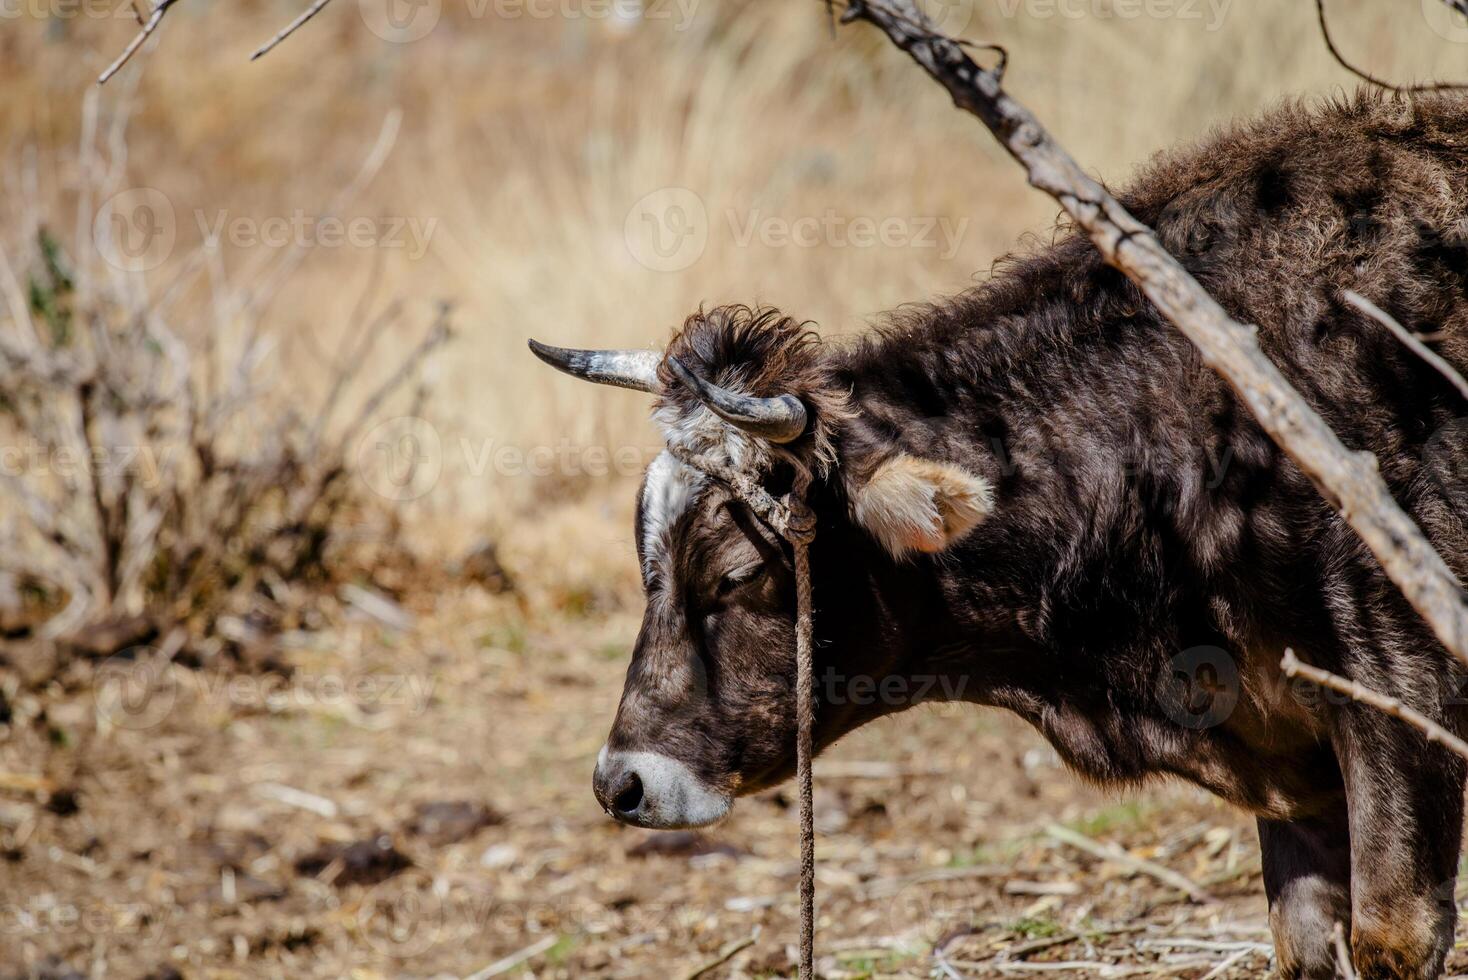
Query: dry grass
[[528, 140], [163, 832]]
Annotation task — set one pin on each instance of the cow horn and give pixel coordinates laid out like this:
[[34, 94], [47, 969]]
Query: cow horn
[[636, 369], [778, 419]]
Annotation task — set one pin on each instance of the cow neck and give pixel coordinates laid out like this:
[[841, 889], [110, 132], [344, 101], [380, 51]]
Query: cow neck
[[791, 518]]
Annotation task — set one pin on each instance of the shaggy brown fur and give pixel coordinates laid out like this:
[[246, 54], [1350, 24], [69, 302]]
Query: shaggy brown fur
[[1143, 527]]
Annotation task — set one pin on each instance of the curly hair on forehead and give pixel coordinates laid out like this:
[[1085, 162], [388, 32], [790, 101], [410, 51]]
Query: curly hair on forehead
[[760, 351]]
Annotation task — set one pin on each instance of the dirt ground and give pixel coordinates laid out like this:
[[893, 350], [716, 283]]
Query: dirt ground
[[413, 800]]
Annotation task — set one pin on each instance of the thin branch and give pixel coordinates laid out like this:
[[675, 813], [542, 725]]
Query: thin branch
[[940, 954], [154, 20], [1349, 481], [1430, 729], [1342, 952], [1459, 5], [271, 278], [289, 29], [1110, 852], [1414, 344], [345, 366], [437, 334], [727, 953], [87, 156], [19, 306], [515, 959], [1233, 960]]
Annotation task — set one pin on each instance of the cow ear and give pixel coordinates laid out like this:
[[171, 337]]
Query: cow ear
[[912, 504]]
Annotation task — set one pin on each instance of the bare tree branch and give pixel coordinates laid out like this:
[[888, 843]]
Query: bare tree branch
[[1349, 481], [154, 20], [274, 272], [155, 17], [1430, 729], [1113, 853], [289, 29], [437, 334], [1461, 6], [1414, 344], [1342, 952]]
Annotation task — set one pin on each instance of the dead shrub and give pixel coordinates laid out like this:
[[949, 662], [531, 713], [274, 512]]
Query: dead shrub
[[153, 479]]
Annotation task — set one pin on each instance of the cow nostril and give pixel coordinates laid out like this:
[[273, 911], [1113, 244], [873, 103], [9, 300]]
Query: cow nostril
[[629, 797]]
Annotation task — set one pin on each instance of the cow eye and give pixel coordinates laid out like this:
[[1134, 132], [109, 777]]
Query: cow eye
[[739, 576]]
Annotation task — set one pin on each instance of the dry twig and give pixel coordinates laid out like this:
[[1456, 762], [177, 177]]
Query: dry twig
[[1430, 729], [1349, 481], [290, 28], [1228, 963], [514, 959], [940, 953], [1461, 6], [1414, 344], [149, 24], [1342, 952], [1110, 852], [727, 953], [154, 19]]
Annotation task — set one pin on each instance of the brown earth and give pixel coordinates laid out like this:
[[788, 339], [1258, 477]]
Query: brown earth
[[416, 803]]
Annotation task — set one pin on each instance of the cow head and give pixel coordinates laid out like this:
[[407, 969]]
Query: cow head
[[708, 709]]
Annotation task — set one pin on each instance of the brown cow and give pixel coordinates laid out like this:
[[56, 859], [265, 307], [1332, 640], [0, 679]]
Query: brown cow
[[1035, 496]]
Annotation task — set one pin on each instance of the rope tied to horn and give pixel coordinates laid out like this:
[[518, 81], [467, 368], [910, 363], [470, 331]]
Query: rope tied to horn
[[778, 419], [792, 518]]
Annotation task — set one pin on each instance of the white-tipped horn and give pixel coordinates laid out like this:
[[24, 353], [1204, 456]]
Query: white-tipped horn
[[635, 369], [778, 419]]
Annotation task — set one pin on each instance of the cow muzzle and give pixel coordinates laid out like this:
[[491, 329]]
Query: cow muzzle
[[648, 789]]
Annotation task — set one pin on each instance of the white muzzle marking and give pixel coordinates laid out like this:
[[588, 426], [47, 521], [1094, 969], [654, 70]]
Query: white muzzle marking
[[649, 789]]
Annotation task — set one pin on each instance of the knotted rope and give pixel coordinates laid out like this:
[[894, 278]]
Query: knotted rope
[[793, 520]]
